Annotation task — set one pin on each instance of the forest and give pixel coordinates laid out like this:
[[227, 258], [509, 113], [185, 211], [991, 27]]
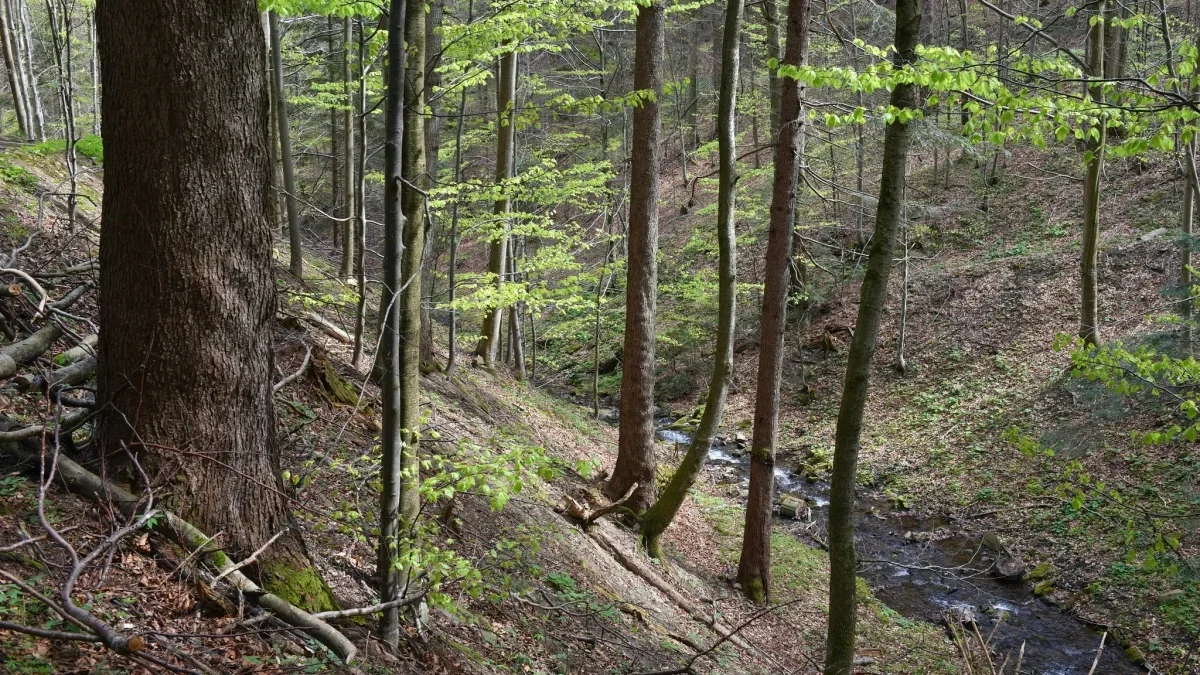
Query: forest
[[636, 337]]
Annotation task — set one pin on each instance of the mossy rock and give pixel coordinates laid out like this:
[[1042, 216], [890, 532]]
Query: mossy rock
[[1135, 656], [1044, 570], [340, 389], [301, 586], [1043, 588]]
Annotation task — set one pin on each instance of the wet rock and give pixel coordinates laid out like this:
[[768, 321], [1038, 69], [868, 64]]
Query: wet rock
[[992, 541], [609, 415], [961, 614], [740, 440], [1008, 568]]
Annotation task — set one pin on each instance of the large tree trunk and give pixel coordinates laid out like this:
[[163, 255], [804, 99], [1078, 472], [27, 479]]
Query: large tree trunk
[[659, 517], [296, 264], [635, 455], [1089, 319], [506, 86], [187, 298], [754, 566], [839, 655]]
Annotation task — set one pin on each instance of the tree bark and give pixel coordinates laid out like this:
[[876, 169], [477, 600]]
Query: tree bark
[[659, 516], [770, 9], [1089, 319], [25, 22], [12, 67], [514, 318], [635, 456], [839, 655], [360, 202], [63, 41], [346, 272], [389, 360], [506, 86], [296, 264], [452, 340], [186, 360], [754, 566]]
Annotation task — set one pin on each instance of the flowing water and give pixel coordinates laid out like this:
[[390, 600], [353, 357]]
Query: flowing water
[[924, 569]]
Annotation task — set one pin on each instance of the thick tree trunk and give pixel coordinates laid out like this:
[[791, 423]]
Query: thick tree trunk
[[635, 455], [839, 655], [187, 357], [659, 516], [346, 272], [506, 86], [1089, 319], [296, 264], [754, 566]]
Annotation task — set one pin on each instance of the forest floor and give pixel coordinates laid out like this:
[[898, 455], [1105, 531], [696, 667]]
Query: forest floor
[[527, 589]]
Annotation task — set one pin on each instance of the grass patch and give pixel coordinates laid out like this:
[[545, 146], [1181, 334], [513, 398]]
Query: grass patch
[[90, 146]]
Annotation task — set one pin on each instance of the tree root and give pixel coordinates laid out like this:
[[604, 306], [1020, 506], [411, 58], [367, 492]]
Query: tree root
[[84, 482]]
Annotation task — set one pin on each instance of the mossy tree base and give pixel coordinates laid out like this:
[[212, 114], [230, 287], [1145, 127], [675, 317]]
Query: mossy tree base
[[300, 585]]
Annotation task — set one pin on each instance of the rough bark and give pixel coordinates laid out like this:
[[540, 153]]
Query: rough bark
[[635, 456], [754, 566], [186, 361], [506, 85], [659, 516], [1089, 319], [388, 363], [839, 655], [296, 263], [12, 356]]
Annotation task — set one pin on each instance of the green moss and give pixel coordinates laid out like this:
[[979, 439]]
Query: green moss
[[219, 559], [302, 587]]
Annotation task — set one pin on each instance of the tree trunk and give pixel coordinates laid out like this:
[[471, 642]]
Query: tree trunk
[[839, 655], [770, 9], [13, 68], [95, 73], [452, 289], [514, 317], [360, 202], [754, 566], [506, 86], [39, 116], [347, 268], [62, 39], [335, 154], [659, 516], [392, 494], [1089, 319], [1185, 235], [186, 357], [285, 149], [635, 455]]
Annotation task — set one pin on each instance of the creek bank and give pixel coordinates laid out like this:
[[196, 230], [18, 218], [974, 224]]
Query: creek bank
[[927, 568]]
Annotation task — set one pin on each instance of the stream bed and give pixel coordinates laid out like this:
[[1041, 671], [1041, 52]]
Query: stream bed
[[924, 569]]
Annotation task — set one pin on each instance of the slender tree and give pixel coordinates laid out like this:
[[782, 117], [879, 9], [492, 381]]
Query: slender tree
[[770, 10], [843, 599], [754, 566], [660, 515], [391, 495], [506, 86], [186, 363], [635, 456], [13, 67], [346, 272], [24, 20], [296, 264], [1089, 319]]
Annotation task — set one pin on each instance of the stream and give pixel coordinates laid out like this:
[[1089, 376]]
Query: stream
[[932, 571]]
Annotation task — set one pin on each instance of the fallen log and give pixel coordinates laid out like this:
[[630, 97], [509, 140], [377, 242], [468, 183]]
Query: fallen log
[[328, 327], [84, 482], [86, 347], [76, 373], [64, 303], [66, 424], [27, 350]]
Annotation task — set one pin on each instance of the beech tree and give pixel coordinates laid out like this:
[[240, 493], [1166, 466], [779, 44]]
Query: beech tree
[[843, 593], [187, 298]]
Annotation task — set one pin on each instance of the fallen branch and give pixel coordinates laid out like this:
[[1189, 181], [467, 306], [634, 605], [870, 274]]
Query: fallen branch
[[77, 373], [588, 516], [86, 347], [373, 609], [33, 284], [328, 328], [89, 266], [84, 482], [27, 350], [71, 298], [68, 423], [294, 376]]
